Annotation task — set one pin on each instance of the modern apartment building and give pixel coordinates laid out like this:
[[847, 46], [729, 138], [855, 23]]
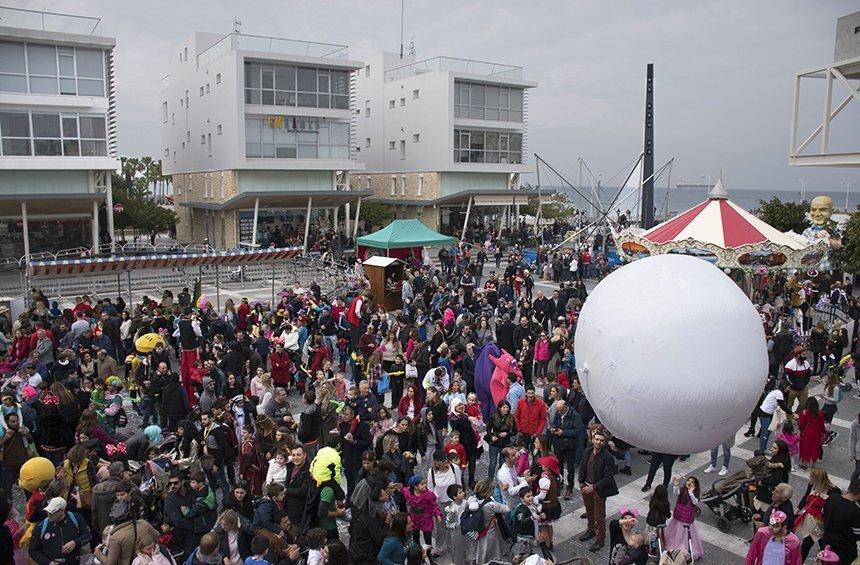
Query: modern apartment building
[[442, 138], [57, 133], [256, 133]]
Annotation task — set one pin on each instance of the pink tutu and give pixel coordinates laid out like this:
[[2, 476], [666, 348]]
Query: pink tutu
[[676, 537]]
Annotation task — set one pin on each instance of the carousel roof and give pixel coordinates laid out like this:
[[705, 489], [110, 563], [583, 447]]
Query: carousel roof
[[721, 223]]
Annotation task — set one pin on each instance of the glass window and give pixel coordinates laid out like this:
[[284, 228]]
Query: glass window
[[285, 98], [340, 102], [91, 127], [43, 85], [324, 138], [252, 96], [324, 101], [285, 77], [67, 61], [340, 83], [516, 99], [67, 86], [14, 124], [93, 148], [252, 75], [307, 80], [253, 150], [268, 98], [307, 100], [42, 59], [47, 147], [492, 141], [91, 63], [285, 151], [492, 114], [492, 97], [323, 78], [12, 58], [46, 125], [268, 77], [13, 83], [90, 87], [307, 152], [253, 127], [16, 147], [339, 133], [71, 147], [70, 126]]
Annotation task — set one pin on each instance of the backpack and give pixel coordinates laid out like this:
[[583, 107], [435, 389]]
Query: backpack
[[121, 418], [472, 521], [43, 525]]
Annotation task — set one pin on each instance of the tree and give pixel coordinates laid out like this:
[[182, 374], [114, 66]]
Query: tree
[[375, 214], [557, 207], [131, 189], [850, 252], [784, 216]]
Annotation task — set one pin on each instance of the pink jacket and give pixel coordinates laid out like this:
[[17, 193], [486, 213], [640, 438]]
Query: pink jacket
[[756, 553], [522, 464], [542, 350], [422, 509], [792, 440]]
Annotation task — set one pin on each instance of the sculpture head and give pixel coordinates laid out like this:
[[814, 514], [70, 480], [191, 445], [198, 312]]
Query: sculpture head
[[820, 210]]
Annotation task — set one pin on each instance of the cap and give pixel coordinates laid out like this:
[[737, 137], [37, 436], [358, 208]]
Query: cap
[[777, 517], [55, 505], [237, 398]]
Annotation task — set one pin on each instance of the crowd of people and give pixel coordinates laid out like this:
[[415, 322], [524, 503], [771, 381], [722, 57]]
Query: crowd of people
[[327, 429]]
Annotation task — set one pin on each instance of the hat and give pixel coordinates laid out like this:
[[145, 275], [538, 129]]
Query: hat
[[238, 398], [550, 462], [828, 556], [414, 480], [55, 505], [777, 517]]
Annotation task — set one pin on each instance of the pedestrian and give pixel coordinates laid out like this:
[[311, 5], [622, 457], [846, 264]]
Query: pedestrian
[[596, 484], [812, 433]]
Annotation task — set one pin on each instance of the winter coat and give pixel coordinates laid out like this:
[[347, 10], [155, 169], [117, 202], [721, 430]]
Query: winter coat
[[531, 416], [174, 399], [204, 512], [243, 540], [122, 546], [542, 350], [569, 423], [352, 452], [46, 542], [755, 555], [422, 509], [296, 491]]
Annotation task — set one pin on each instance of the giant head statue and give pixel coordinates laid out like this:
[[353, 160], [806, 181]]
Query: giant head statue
[[820, 210]]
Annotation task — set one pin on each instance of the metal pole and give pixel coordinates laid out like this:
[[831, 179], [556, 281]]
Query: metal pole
[[537, 213], [217, 288], [648, 151], [128, 288], [109, 210], [334, 222], [272, 304], [357, 216], [307, 223], [825, 129], [25, 224], [254, 229], [95, 227], [466, 220]]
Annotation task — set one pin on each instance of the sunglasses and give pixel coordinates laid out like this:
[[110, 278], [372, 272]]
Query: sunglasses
[[174, 483]]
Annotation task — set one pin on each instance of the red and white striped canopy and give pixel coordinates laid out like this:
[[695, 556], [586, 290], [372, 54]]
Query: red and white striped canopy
[[720, 222]]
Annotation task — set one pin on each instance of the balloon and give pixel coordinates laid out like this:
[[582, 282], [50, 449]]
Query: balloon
[[147, 342], [34, 471], [671, 354]]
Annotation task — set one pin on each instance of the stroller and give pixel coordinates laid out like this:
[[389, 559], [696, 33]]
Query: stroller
[[730, 498]]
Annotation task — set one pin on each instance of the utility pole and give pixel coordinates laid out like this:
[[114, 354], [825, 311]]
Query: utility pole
[[648, 152]]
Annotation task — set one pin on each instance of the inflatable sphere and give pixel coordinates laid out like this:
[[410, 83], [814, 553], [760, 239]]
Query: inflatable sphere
[[34, 471], [671, 354]]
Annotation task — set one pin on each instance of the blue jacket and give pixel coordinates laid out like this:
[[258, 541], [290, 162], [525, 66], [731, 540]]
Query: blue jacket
[[393, 551]]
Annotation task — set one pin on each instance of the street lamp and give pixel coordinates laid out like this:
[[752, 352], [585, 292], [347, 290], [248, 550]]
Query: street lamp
[[802, 188], [708, 177]]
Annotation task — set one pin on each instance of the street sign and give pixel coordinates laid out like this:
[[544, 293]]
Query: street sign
[[118, 208]]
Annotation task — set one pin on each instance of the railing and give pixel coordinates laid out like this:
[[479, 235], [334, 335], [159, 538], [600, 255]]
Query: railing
[[104, 250], [278, 45], [49, 21], [467, 66]]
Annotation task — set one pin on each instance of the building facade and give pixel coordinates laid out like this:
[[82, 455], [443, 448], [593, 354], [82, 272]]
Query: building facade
[[57, 134], [256, 133], [443, 140]]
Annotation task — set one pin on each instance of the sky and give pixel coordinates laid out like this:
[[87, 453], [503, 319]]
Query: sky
[[724, 71]]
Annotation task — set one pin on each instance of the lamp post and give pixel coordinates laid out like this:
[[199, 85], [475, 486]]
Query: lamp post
[[802, 188], [847, 192], [708, 177]]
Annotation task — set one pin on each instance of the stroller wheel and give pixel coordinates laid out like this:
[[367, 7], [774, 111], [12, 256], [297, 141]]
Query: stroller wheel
[[698, 511], [723, 525], [746, 515]]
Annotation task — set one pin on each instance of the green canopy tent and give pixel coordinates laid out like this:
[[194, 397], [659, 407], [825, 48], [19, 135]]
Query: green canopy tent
[[402, 235]]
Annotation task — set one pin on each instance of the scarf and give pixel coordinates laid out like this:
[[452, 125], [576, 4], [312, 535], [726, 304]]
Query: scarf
[[208, 559]]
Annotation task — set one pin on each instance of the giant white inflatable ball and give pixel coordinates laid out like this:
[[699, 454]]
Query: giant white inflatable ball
[[671, 354]]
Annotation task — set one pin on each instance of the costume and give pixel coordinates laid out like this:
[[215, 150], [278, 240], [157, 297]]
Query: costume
[[755, 555], [683, 517], [492, 366]]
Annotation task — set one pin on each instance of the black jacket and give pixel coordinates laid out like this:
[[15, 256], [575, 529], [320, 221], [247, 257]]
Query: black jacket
[[49, 537], [173, 399], [246, 533], [351, 452], [365, 538], [505, 337], [296, 491], [604, 472]]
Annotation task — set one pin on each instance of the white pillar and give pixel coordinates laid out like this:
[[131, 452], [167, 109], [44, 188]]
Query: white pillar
[[254, 229], [357, 216], [308, 222], [109, 210], [95, 227], [466, 221], [25, 222], [334, 220]]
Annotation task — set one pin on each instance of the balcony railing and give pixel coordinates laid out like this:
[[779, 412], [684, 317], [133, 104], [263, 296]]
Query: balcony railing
[[467, 66], [49, 21], [277, 45]]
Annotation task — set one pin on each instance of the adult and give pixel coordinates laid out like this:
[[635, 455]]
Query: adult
[[797, 374], [440, 476], [121, 539], [176, 504], [356, 440], [812, 433], [398, 542], [530, 415], [774, 543], [596, 483], [235, 533], [772, 400], [501, 429], [367, 532], [564, 436], [60, 537], [809, 523], [460, 422], [842, 522]]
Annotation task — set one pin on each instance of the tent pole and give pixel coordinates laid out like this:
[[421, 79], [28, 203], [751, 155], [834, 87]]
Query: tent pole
[[357, 216], [466, 221]]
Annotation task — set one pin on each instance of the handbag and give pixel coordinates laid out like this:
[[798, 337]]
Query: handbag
[[777, 420], [384, 383]]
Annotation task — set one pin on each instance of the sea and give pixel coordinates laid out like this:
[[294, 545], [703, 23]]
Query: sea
[[675, 200]]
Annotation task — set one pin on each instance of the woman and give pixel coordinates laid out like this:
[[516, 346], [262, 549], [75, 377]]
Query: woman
[[500, 430], [265, 388], [329, 407], [410, 405], [830, 396], [809, 521], [456, 391], [356, 439], [69, 410], [390, 349], [780, 470], [233, 387], [318, 354], [240, 500], [459, 420], [367, 532], [837, 340], [113, 404], [492, 545], [541, 357], [89, 427], [235, 533], [87, 367], [79, 475], [398, 542], [230, 314], [430, 437], [252, 461], [381, 424], [150, 552], [187, 447], [401, 466], [525, 361], [628, 544], [818, 346], [484, 334], [125, 331], [266, 434], [812, 433]]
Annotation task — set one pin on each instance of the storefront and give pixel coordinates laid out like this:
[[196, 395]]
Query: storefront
[[47, 234]]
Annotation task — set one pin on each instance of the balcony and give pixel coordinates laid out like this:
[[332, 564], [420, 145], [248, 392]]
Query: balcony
[[275, 45], [49, 21], [453, 64]]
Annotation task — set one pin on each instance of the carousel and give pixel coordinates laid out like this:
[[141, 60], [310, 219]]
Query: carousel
[[720, 231]]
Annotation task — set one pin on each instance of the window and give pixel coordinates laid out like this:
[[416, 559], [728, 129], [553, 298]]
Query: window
[[172, 118], [201, 91], [218, 78], [392, 145], [209, 143], [391, 103], [166, 152], [402, 149], [52, 134], [219, 129], [488, 102], [203, 139], [50, 69], [288, 85], [291, 137], [477, 146], [416, 137], [185, 51], [393, 190], [367, 70], [183, 145], [367, 142], [415, 94], [164, 112], [420, 190], [402, 185], [367, 108], [402, 102], [207, 88]]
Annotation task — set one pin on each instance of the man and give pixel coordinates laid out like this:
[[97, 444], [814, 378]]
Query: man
[[80, 325], [516, 391], [106, 365], [60, 537], [278, 408], [280, 363], [437, 378], [104, 495], [121, 545], [775, 544], [781, 502], [328, 329], [596, 483], [521, 332], [530, 415], [297, 484], [365, 403], [505, 335], [511, 484], [184, 298], [467, 364], [176, 503], [854, 446], [126, 492], [564, 437], [797, 373], [15, 449], [215, 443], [154, 388], [842, 523], [543, 311], [227, 421]]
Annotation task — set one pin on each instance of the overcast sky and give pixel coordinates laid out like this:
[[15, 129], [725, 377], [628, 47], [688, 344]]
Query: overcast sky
[[724, 70]]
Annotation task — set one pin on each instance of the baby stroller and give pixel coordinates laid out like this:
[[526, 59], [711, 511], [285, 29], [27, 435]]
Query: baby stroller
[[730, 498]]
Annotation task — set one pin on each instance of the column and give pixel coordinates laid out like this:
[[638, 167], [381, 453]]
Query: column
[[308, 223], [26, 228], [357, 216], [466, 221], [109, 210], [254, 228], [95, 227]]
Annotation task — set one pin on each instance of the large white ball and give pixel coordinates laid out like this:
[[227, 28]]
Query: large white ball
[[671, 354]]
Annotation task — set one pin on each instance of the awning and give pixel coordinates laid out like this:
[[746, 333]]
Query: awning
[[285, 199], [490, 198], [401, 234], [159, 261], [47, 204]]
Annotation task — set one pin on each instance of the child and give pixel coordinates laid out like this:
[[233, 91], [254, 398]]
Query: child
[[522, 464], [525, 517], [318, 553], [791, 439], [277, 472], [453, 512], [684, 518], [454, 446], [338, 385], [283, 442], [659, 513], [422, 508], [259, 549]]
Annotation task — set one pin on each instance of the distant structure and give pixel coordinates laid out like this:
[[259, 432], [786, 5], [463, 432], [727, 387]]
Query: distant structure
[[842, 75]]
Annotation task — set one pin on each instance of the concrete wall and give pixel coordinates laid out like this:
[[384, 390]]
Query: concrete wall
[[279, 181], [44, 182], [453, 183], [847, 37]]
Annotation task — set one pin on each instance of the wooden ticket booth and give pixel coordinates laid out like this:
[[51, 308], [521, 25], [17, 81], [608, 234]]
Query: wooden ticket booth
[[386, 280]]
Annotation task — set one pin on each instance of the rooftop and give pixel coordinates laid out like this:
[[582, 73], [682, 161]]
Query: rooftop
[[453, 64], [49, 21], [277, 45]]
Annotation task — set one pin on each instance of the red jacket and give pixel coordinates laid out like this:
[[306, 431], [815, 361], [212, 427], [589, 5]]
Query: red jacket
[[403, 407], [281, 365], [530, 416]]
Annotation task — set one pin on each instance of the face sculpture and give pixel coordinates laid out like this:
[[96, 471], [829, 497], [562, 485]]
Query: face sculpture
[[820, 210]]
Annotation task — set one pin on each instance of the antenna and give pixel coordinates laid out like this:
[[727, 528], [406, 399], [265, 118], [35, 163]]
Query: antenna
[[401, 29], [237, 25]]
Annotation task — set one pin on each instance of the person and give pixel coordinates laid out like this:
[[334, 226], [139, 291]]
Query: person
[[658, 515], [368, 525], [60, 537], [440, 476], [317, 553], [501, 429], [842, 522], [854, 446], [185, 537], [121, 539], [781, 501], [812, 433], [531, 414], [681, 529], [151, 552], [356, 440], [797, 374], [564, 435], [235, 533], [398, 542], [297, 484], [509, 481], [424, 511], [596, 483], [667, 460], [727, 455], [809, 522], [207, 552], [630, 545], [772, 400], [453, 512], [490, 543], [774, 543]]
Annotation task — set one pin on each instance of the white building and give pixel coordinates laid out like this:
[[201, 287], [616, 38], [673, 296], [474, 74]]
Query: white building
[[58, 130], [255, 131], [442, 138]]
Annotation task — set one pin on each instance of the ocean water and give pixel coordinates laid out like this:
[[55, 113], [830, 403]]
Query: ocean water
[[680, 199]]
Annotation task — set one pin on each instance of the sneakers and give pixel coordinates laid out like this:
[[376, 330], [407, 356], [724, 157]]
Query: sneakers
[[587, 535], [568, 492], [723, 472], [710, 469]]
